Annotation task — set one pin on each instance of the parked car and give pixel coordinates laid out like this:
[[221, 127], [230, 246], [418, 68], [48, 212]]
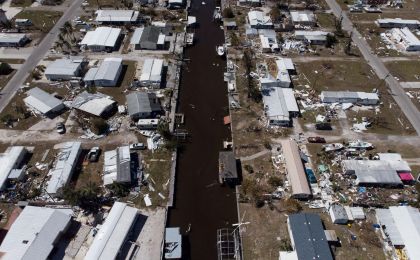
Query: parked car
[[316, 139], [61, 128], [93, 154], [323, 126], [137, 146]]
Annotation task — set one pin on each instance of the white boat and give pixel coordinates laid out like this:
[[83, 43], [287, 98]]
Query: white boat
[[332, 147], [147, 133], [190, 39], [360, 145], [221, 50]]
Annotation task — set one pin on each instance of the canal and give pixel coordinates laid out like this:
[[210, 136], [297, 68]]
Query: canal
[[199, 200]]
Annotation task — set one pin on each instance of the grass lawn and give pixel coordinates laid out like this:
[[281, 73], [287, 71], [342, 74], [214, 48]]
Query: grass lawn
[[405, 70], [105, 3], [127, 76], [41, 20], [326, 20], [21, 3], [5, 78]]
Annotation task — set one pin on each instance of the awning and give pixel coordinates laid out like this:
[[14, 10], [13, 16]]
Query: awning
[[406, 176]]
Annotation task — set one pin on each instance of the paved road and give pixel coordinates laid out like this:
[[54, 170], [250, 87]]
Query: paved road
[[400, 97], [39, 52]]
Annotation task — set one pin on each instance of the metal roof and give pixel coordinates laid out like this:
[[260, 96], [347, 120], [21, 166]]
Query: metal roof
[[109, 69], [279, 102], [117, 165], [8, 162], [92, 103], [64, 167], [42, 101], [135, 38], [63, 67], [142, 102], [302, 16], [116, 16], [113, 233], [309, 237], [398, 21], [12, 37], [152, 70], [227, 165], [150, 34], [295, 171], [372, 171], [256, 18], [34, 233], [102, 36]]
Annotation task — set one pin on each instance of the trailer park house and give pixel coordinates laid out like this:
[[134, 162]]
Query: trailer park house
[[114, 232], [64, 167], [13, 39], [398, 23], [102, 39], [142, 105], [117, 166], [117, 16], [303, 18], [308, 239], [65, 69], [149, 38], [151, 74], [11, 161], [35, 233], [42, 102], [96, 104], [361, 98], [402, 39], [259, 20], [312, 37], [106, 75]]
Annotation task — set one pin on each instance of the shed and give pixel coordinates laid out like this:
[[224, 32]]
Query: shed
[[151, 74], [106, 75], [64, 69], [295, 171], [228, 172], [338, 214], [43, 102], [141, 105], [97, 104]]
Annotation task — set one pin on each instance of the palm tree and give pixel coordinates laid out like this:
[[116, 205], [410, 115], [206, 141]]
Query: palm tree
[[59, 44]]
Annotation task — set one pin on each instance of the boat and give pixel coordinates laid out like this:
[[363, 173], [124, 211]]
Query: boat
[[332, 147], [147, 133], [217, 14], [358, 144], [221, 50], [189, 39]]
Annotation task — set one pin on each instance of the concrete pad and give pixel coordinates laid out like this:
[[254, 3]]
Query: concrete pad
[[46, 124]]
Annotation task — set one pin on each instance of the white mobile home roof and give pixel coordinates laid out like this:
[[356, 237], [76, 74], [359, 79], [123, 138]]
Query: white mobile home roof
[[402, 225], [135, 39], [116, 15], [152, 70], [33, 234], [8, 161], [295, 170], [94, 104], [112, 234], [41, 100], [302, 16], [279, 102], [11, 37], [102, 36], [64, 166], [256, 18], [108, 69], [63, 67], [117, 165], [285, 64]]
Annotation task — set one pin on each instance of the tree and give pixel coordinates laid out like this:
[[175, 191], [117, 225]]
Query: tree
[[86, 197], [347, 50], [275, 13], [99, 126], [228, 13], [331, 40], [5, 68], [163, 130], [339, 26]]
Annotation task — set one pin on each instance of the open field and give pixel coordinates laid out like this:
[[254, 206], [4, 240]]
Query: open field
[[41, 20], [326, 20], [21, 3], [405, 70]]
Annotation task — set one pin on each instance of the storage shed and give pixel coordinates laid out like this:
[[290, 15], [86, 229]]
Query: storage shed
[[338, 214]]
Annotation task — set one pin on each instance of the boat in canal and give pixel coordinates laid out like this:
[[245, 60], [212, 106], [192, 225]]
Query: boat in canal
[[189, 39], [221, 50]]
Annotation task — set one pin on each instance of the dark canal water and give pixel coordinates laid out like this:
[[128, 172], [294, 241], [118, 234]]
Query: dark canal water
[[199, 199]]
